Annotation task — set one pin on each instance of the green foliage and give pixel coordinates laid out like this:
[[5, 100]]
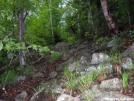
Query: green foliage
[[1, 45], [87, 79], [114, 57], [101, 40], [11, 45], [118, 43], [39, 48], [55, 56], [71, 84], [71, 78], [28, 70], [46, 87], [76, 82], [8, 77], [71, 39], [40, 22], [39, 87], [11, 74], [69, 74], [125, 76]]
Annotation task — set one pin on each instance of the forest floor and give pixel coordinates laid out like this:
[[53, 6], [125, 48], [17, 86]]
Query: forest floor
[[14, 89], [27, 85]]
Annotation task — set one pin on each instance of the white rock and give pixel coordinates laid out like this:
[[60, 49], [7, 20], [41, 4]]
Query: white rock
[[99, 57], [53, 74], [57, 89], [111, 84], [65, 97], [22, 96], [73, 66], [127, 63]]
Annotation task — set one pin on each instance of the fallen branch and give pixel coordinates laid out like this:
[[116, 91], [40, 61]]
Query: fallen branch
[[7, 36], [36, 61]]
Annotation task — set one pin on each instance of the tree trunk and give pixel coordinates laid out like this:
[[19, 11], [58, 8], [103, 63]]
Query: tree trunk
[[108, 16], [79, 30], [21, 28], [90, 17], [129, 18], [51, 22]]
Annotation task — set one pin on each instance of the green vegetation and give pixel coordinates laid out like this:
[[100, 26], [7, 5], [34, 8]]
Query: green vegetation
[[25, 70], [78, 82], [55, 56], [8, 77], [125, 76], [39, 87], [53, 22], [115, 57], [46, 87], [28, 27]]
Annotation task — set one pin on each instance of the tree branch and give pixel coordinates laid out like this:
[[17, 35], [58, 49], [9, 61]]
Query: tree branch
[[7, 36]]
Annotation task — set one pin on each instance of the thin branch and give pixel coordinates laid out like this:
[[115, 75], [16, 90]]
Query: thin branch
[[7, 36]]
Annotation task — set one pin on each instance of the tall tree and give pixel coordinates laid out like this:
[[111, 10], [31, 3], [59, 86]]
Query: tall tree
[[90, 17], [21, 29], [51, 19], [108, 16]]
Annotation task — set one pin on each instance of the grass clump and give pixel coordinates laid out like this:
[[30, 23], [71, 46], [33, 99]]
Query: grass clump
[[25, 70], [125, 76], [79, 83], [8, 77], [115, 57], [28, 70], [39, 87], [55, 56]]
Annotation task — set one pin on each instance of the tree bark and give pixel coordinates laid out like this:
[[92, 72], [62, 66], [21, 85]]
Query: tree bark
[[79, 30], [90, 17], [51, 22], [128, 13], [108, 16], [21, 28]]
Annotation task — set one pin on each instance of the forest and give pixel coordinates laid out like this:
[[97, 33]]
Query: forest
[[30, 29]]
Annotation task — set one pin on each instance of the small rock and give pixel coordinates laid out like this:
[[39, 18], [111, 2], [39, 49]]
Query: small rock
[[59, 67], [22, 96], [111, 84], [91, 69], [21, 78], [65, 97], [99, 57], [127, 63], [53, 74], [72, 51], [111, 44], [81, 47], [39, 74], [65, 56], [105, 66], [57, 89], [83, 60], [129, 52], [73, 66]]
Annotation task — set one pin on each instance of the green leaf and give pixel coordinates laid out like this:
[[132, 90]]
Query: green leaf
[[7, 47], [9, 17], [1, 45], [46, 49]]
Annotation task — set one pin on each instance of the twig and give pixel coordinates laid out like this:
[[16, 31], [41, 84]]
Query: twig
[[36, 61], [29, 54], [12, 60], [7, 36]]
